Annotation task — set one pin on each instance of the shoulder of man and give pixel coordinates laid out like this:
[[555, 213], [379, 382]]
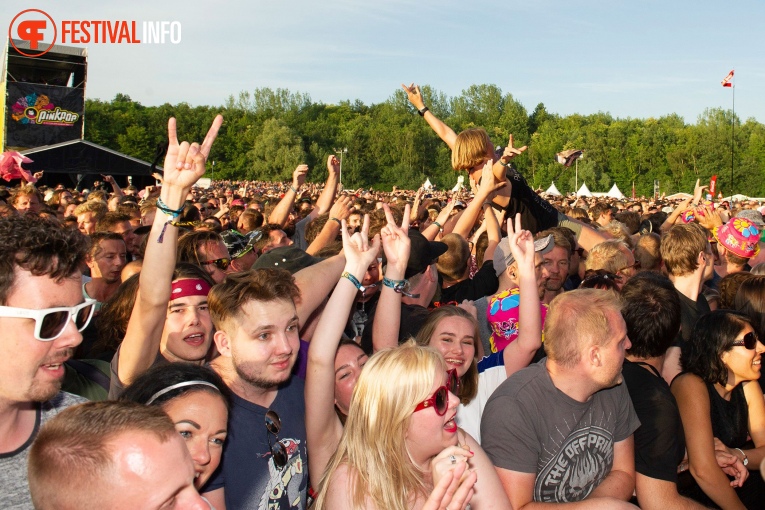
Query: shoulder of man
[[58, 403]]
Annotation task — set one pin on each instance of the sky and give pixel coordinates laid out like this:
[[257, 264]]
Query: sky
[[638, 58]]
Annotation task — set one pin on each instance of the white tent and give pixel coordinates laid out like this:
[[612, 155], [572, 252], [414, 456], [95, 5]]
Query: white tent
[[614, 192], [584, 191], [552, 190], [428, 185], [460, 183]]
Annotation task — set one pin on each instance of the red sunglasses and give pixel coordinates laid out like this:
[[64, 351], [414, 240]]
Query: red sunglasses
[[440, 399]]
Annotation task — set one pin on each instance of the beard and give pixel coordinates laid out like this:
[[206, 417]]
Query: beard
[[43, 391], [252, 373], [554, 285]]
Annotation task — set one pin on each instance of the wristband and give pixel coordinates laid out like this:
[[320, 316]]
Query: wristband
[[422, 111], [162, 206], [338, 221], [440, 227], [396, 285], [173, 213], [353, 280], [293, 189], [399, 287]]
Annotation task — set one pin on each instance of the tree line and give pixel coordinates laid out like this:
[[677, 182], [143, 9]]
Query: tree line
[[267, 133]]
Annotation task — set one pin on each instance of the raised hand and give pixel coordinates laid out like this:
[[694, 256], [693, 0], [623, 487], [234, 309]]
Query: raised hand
[[446, 212], [298, 176], [359, 253], [396, 244], [341, 209], [488, 184], [333, 165], [184, 162], [697, 192], [510, 152], [521, 243], [414, 95]]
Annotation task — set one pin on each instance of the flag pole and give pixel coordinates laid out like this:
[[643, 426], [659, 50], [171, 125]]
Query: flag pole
[[732, 139]]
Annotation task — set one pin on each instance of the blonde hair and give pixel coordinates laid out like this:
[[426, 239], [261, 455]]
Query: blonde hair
[[609, 255], [577, 319], [470, 148], [373, 446]]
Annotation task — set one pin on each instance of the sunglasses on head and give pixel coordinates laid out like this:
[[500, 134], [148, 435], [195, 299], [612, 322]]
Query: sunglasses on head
[[221, 264], [749, 341], [278, 450], [50, 323], [440, 399]]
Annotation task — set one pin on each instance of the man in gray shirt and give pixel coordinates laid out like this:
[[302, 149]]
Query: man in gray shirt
[[560, 431], [41, 317]]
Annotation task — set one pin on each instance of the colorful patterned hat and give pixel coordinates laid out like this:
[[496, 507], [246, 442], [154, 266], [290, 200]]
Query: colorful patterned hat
[[739, 236]]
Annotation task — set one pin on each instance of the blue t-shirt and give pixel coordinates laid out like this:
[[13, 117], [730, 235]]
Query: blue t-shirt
[[247, 472]]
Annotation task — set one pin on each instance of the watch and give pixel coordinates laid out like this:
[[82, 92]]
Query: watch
[[745, 460]]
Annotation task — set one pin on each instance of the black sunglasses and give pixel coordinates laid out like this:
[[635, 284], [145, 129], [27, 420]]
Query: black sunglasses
[[749, 341], [221, 264], [278, 450]]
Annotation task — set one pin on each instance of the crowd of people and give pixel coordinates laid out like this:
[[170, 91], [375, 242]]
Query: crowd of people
[[256, 345]]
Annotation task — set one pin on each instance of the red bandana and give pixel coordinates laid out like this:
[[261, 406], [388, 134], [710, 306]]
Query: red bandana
[[189, 287]]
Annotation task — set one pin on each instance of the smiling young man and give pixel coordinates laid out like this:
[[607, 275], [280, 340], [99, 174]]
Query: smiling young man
[[265, 460], [41, 317]]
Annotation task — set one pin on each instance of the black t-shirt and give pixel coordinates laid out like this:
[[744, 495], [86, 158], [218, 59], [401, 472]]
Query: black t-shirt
[[659, 441], [690, 311], [484, 283], [412, 319], [536, 213]]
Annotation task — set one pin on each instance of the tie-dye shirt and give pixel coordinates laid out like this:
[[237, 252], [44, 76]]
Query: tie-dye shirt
[[502, 314]]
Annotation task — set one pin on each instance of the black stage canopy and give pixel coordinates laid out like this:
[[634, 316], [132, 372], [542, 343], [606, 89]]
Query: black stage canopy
[[78, 163]]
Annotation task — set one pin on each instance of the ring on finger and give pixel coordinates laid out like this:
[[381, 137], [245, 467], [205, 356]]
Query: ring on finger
[[453, 459]]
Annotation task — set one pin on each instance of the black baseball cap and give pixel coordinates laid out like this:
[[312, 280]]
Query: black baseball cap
[[422, 253]]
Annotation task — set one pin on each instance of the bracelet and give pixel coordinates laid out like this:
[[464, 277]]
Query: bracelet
[[335, 219], [162, 206], [422, 111], [440, 227], [746, 459], [293, 189], [353, 280]]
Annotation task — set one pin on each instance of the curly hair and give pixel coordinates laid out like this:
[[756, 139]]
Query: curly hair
[[713, 334], [39, 246]]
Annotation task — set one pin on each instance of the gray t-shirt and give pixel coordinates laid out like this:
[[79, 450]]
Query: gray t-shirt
[[14, 489], [530, 426]]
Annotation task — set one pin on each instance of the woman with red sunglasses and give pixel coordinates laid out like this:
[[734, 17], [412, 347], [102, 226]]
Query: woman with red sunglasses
[[721, 406], [401, 439]]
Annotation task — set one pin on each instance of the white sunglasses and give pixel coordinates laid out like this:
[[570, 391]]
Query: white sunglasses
[[50, 323]]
